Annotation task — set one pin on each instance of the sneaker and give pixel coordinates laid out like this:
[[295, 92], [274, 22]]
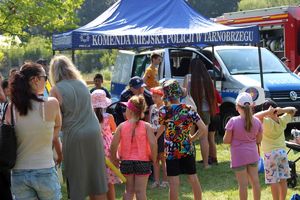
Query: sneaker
[[155, 184], [164, 184]]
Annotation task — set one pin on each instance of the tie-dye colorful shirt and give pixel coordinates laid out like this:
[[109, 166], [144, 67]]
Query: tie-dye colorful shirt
[[178, 120]]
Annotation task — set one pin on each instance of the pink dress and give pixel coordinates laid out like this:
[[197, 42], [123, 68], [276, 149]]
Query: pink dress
[[107, 138]]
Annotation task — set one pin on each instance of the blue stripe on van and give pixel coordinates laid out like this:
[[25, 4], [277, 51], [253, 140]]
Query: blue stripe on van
[[117, 88]]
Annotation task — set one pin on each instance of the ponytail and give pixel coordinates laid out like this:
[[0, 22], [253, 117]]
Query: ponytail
[[99, 114], [248, 117], [21, 91]]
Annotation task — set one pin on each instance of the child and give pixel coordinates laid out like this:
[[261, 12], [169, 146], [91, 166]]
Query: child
[[243, 133], [177, 119], [150, 76], [157, 95], [98, 81], [137, 147], [273, 145], [100, 102]]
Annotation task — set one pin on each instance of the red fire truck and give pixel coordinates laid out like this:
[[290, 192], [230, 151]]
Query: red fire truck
[[279, 29]]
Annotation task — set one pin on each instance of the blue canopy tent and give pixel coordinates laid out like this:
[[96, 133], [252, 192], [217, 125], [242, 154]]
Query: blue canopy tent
[[152, 23]]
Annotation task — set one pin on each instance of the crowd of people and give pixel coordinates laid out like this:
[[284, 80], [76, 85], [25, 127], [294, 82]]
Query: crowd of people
[[154, 130]]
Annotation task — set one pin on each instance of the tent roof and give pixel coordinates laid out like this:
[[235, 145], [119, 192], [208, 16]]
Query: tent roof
[[151, 23]]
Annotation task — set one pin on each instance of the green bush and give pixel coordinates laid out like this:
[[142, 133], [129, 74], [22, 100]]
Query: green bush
[[34, 49], [106, 74]]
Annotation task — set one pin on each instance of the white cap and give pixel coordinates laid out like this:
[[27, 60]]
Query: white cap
[[243, 99]]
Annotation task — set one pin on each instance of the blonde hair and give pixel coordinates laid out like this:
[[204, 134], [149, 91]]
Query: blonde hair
[[248, 117], [139, 102], [62, 68]]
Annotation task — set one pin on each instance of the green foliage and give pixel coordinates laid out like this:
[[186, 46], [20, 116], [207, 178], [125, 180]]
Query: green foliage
[[36, 48], [255, 4], [106, 74], [108, 57], [214, 8], [1, 56], [91, 9], [18, 17]]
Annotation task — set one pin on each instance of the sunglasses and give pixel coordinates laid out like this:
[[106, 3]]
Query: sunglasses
[[45, 77]]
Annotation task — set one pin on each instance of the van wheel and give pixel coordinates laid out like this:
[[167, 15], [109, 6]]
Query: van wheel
[[226, 114]]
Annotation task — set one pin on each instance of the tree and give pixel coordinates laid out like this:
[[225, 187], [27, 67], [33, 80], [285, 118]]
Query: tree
[[92, 9], [214, 8], [254, 4], [19, 17]]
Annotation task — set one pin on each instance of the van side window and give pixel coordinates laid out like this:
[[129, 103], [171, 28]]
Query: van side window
[[139, 64], [180, 61]]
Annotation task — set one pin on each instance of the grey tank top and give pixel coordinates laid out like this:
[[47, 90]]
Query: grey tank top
[[34, 139]]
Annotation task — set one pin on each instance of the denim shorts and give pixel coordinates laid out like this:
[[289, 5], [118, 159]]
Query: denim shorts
[[32, 184]]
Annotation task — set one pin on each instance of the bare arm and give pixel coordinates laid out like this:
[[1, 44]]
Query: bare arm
[[258, 138], [55, 93], [56, 140], [160, 131], [114, 146], [202, 131], [2, 95], [289, 110], [227, 137], [112, 123], [262, 114], [152, 141]]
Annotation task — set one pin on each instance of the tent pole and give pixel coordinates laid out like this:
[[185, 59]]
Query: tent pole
[[73, 56], [260, 66], [214, 70]]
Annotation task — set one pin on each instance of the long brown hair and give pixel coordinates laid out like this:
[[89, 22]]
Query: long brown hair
[[248, 117], [20, 89], [99, 114], [202, 86]]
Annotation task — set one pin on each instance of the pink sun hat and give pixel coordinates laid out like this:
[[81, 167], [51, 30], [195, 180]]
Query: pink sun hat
[[99, 99]]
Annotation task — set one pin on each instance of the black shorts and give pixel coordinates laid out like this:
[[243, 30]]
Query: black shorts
[[130, 167], [186, 165], [160, 143], [214, 123]]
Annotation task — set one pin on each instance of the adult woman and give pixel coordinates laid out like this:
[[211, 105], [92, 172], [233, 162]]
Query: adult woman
[[202, 91], [37, 123], [82, 144]]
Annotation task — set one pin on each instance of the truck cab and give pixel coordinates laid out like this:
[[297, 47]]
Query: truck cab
[[279, 29], [234, 68]]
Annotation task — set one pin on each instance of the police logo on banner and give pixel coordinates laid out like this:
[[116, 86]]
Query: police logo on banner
[[84, 37]]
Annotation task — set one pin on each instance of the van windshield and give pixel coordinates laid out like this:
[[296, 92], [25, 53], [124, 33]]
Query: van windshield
[[245, 61]]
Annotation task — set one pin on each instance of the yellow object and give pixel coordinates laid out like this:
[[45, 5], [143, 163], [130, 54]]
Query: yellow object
[[273, 133], [115, 170], [151, 77], [48, 86]]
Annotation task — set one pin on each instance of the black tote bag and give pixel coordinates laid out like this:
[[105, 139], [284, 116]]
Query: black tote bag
[[8, 143]]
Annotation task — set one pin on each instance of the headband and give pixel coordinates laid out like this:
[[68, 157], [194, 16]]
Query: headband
[[131, 106]]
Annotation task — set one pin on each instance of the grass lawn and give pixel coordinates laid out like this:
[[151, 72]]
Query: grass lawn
[[217, 182]]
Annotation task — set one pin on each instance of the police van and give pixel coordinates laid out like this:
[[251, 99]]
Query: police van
[[234, 68]]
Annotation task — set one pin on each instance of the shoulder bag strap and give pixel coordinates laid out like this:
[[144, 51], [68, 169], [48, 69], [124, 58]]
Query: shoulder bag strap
[[12, 122], [4, 112]]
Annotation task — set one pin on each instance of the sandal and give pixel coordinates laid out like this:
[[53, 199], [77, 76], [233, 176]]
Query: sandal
[[155, 184], [164, 184]]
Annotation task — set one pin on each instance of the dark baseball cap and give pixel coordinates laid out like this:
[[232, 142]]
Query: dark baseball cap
[[136, 82]]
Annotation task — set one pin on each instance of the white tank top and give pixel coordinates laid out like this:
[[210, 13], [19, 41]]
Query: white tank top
[[34, 139]]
